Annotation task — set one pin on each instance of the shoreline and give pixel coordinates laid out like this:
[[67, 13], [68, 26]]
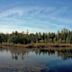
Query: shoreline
[[37, 45]]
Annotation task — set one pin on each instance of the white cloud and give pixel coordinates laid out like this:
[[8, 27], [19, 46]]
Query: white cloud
[[44, 18]]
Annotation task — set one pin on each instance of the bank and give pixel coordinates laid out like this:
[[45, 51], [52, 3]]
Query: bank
[[37, 45]]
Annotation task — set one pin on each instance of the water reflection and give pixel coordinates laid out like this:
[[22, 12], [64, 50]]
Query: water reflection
[[36, 60], [21, 52], [65, 54], [49, 52]]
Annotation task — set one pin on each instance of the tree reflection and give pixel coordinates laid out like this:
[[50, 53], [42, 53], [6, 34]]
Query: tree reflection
[[15, 56], [65, 54], [49, 52], [21, 53]]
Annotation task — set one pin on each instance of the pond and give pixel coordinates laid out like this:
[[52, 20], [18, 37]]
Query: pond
[[35, 60]]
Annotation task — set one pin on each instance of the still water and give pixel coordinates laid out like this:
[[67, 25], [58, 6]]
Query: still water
[[35, 60]]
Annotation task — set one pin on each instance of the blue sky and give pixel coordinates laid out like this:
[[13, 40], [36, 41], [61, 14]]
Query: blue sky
[[35, 15]]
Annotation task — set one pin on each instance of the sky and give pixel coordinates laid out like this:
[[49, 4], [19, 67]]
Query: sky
[[35, 15]]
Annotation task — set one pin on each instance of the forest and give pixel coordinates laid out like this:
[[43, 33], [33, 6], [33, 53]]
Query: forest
[[62, 36]]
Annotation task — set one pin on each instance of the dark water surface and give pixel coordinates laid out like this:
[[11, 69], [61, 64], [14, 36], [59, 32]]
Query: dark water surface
[[35, 60]]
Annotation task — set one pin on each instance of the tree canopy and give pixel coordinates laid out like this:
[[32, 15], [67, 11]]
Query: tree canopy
[[63, 36]]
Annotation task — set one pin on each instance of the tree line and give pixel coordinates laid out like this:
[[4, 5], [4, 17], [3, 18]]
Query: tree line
[[62, 36]]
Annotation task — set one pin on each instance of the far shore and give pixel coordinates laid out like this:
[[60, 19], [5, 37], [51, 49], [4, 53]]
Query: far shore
[[37, 45]]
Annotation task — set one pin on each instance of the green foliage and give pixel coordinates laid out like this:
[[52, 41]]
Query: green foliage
[[63, 36]]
